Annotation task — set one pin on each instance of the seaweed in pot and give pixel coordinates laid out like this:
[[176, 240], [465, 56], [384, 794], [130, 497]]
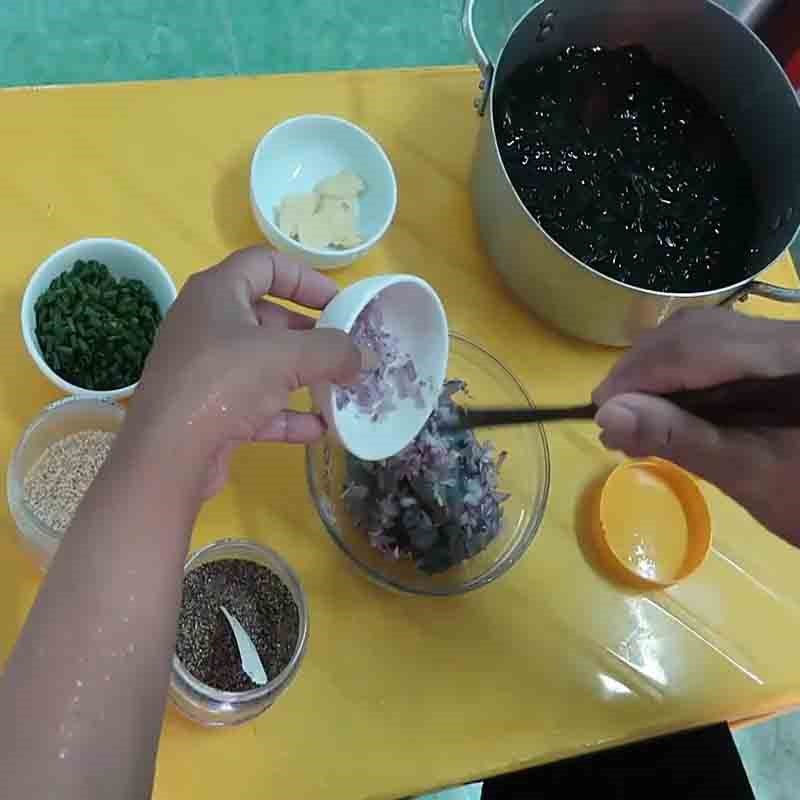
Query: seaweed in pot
[[629, 169], [437, 502]]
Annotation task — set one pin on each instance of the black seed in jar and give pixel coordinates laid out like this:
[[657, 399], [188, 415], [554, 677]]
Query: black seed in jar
[[629, 168], [262, 604]]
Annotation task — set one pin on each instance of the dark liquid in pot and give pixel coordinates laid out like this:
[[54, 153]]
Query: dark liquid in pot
[[629, 169]]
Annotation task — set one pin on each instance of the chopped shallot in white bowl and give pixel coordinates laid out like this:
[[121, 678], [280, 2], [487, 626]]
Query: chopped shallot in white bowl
[[400, 320]]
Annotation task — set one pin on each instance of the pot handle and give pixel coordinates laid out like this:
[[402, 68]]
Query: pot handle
[[779, 294], [479, 54], [777, 24]]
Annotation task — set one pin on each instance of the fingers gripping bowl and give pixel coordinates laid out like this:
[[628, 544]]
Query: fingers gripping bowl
[[524, 477]]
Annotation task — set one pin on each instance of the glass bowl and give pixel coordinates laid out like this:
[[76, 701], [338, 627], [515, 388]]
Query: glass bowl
[[525, 475], [59, 419], [213, 707]]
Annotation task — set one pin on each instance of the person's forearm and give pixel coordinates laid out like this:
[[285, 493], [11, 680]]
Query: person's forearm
[[84, 690]]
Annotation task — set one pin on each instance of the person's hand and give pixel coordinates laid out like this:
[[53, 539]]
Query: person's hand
[[226, 359], [693, 349]]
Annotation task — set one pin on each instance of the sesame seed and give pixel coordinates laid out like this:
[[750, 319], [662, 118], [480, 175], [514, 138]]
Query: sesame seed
[[56, 483]]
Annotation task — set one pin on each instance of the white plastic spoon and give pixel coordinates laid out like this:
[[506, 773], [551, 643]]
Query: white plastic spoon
[[251, 661]]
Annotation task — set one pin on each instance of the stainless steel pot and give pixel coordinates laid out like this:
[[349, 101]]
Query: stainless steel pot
[[707, 47]]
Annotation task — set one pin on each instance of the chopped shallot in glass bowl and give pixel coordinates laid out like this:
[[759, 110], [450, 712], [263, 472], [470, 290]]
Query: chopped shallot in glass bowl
[[452, 512]]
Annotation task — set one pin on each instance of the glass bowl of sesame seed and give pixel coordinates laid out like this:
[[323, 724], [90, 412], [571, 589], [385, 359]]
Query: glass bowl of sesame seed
[[54, 464]]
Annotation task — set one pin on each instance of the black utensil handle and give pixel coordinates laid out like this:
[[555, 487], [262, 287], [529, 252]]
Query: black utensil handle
[[495, 417], [749, 403]]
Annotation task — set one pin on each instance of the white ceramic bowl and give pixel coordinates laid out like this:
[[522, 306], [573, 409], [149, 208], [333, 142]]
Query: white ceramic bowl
[[413, 312], [123, 259], [296, 155]]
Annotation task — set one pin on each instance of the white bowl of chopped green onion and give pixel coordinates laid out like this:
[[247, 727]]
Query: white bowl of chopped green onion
[[90, 313]]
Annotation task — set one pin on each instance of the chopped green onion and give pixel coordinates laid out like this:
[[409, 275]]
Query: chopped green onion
[[95, 331]]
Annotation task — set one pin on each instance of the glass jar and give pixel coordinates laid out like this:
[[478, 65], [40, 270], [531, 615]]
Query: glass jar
[[56, 421], [214, 707]]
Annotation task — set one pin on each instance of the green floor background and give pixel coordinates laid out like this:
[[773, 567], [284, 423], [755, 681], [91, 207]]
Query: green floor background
[[72, 41], [67, 41]]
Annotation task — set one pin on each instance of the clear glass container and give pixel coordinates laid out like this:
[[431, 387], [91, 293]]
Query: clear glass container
[[525, 476], [213, 707], [59, 419]]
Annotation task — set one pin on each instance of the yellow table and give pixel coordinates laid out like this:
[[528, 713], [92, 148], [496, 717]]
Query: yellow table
[[397, 694]]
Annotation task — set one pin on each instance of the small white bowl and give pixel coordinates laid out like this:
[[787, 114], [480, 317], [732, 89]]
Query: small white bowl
[[124, 260], [296, 155], [413, 312]]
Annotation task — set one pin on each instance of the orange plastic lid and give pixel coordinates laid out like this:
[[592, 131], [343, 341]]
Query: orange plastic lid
[[654, 527]]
